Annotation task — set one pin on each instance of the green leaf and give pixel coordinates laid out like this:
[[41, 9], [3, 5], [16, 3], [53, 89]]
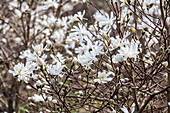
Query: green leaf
[[73, 111]]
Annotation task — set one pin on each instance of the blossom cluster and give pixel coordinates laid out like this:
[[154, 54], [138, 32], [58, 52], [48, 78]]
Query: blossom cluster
[[78, 55]]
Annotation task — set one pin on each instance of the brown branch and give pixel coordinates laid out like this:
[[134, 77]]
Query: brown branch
[[150, 98]]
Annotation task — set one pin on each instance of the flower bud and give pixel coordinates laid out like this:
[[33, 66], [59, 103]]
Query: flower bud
[[18, 13], [28, 87], [126, 3], [66, 86], [47, 110], [153, 54], [145, 29], [165, 63], [110, 41], [79, 77], [166, 75], [80, 92], [54, 101], [105, 36], [31, 104], [133, 30], [148, 61], [39, 83], [60, 83], [17, 40], [156, 91], [4, 40], [30, 99], [88, 1]]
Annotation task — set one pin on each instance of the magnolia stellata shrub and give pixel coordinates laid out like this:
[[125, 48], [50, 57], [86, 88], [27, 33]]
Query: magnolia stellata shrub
[[112, 60]]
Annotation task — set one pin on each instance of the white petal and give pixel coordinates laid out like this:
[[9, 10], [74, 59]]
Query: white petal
[[124, 110]]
